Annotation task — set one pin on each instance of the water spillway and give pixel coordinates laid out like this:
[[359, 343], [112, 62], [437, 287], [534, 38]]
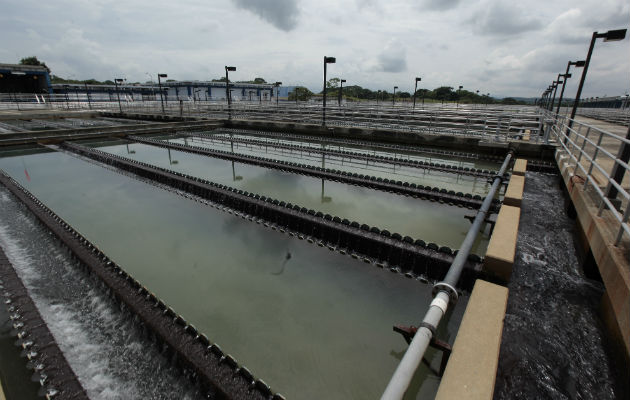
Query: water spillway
[[266, 308]]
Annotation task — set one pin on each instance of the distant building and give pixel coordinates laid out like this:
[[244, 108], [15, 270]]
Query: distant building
[[181, 90], [17, 78]]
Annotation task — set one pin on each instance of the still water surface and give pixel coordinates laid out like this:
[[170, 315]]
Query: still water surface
[[419, 176], [310, 322], [420, 219]]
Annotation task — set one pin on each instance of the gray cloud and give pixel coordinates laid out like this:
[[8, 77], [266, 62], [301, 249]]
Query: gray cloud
[[501, 19], [439, 5], [282, 14], [393, 58]]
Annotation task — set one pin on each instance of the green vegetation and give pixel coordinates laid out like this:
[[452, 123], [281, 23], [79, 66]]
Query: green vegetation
[[32, 60], [303, 94], [440, 94]]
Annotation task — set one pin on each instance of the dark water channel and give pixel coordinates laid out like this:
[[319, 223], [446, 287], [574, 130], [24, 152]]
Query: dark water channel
[[554, 344]]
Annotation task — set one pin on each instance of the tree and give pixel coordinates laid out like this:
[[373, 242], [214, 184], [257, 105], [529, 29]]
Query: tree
[[303, 94], [32, 60], [333, 83], [259, 81], [444, 93]]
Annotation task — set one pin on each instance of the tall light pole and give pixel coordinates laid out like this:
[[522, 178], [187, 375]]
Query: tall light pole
[[87, 93], [327, 60], [116, 82], [414, 93], [458, 90], [567, 75], [277, 84], [555, 85], [227, 89], [160, 76], [610, 36], [394, 96], [341, 91]]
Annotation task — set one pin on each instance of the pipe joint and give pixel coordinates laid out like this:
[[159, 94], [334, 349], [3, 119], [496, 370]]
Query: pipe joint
[[445, 287]]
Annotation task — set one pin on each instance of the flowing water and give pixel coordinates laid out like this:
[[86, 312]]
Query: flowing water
[[310, 322], [420, 219]]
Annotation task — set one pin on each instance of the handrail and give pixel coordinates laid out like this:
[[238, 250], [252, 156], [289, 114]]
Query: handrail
[[445, 292]]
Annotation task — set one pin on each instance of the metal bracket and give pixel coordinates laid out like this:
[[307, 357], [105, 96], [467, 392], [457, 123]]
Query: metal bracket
[[408, 332], [471, 218]]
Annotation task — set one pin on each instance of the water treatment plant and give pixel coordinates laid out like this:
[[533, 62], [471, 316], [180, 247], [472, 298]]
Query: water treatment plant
[[222, 239]]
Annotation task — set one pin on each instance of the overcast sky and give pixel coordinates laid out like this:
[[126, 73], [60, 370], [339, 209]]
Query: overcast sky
[[504, 47]]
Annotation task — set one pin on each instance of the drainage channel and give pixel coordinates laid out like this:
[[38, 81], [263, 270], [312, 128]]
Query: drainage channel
[[366, 165], [404, 188], [219, 374], [316, 324], [443, 167], [404, 253], [404, 215], [359, 144], [40, 348]]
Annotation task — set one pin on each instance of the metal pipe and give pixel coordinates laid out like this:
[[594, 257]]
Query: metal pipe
[[444, 292]]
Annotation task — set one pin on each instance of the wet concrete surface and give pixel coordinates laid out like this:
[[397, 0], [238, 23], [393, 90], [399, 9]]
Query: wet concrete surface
[[554, 342]]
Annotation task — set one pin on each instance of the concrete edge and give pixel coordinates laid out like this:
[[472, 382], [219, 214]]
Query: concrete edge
[[501, 251], [514, 193], [472, 367], [520, 167]]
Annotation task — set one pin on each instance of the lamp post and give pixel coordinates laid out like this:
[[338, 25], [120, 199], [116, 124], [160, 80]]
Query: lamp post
[[327, 60], [555, 85], [87, 93], [116, 82], [341, 91], [160, 76], [610, 36], [458, 90], [414, 93], [487, 99], [227, 90], [394, 96], [277, 85]]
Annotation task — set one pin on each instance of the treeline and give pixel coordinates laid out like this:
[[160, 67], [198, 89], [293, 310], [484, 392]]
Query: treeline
[[440, 94]]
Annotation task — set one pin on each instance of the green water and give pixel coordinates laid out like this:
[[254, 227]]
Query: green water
[[315, 325], [420, 219], [425, 177]]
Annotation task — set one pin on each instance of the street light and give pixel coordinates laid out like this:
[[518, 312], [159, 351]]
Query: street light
[[458, 90], [87, 93], [394, 96], [161, 94], [227, 90], [116, 82], [414, 93], [277, 85], [555, 89], [567, 75], [327, 60], [341, 91], [610, 36]]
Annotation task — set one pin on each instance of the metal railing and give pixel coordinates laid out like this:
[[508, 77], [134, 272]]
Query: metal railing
[[594, 155], [492, 122]]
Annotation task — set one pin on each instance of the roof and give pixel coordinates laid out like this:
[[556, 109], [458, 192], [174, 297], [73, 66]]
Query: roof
[[23, 68]]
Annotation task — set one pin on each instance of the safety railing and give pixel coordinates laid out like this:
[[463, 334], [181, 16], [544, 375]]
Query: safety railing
[[595, 155], [496, 123]]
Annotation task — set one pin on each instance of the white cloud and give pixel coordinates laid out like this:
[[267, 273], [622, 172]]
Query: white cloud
[[503, 48]]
